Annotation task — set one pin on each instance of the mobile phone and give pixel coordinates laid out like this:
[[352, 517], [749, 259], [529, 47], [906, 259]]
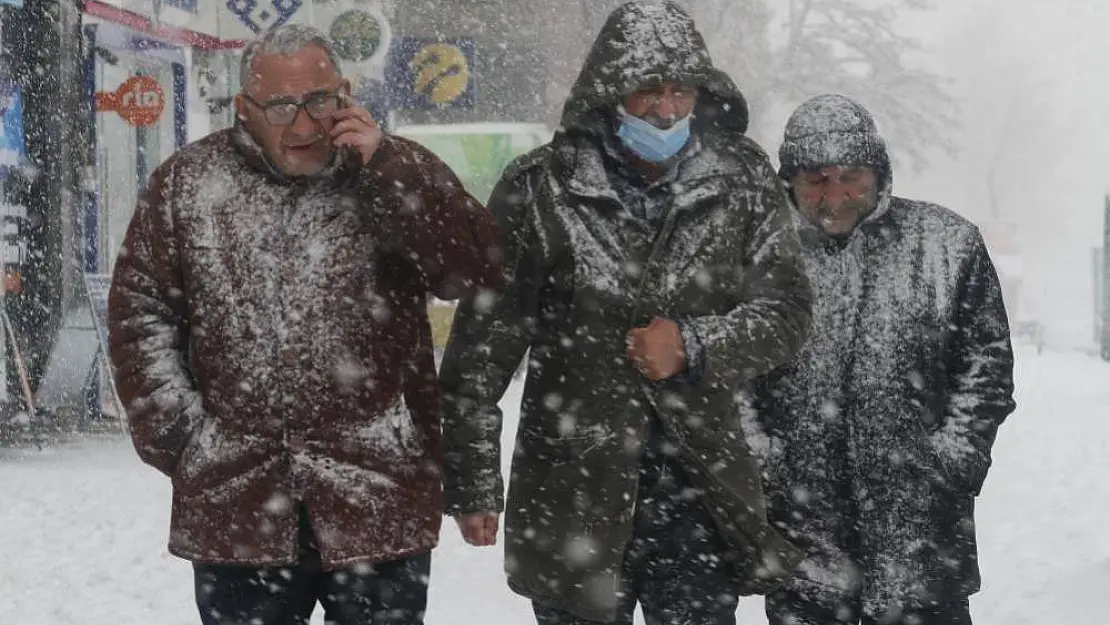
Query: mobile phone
[[348, 153]]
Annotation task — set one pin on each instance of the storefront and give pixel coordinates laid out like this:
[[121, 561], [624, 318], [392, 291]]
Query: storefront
[[138, 85], [147, 106]]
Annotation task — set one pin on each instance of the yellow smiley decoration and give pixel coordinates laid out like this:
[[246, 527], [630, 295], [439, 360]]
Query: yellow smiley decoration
[[440, 72]]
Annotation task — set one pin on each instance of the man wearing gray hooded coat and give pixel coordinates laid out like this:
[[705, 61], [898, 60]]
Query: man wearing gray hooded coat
[[652, 271], [878, 433]]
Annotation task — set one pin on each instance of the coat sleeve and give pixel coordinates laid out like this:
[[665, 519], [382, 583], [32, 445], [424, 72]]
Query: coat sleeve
[[772, 321], [148, 333], [489, 337], [979, 369], [434, 222]]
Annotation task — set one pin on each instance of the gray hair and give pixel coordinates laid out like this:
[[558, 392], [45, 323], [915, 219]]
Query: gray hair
[[286, 40]]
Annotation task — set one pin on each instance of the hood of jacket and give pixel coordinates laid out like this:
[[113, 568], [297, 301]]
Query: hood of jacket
[[650, 43]]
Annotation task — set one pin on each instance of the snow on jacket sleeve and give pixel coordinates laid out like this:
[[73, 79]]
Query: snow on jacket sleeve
[[148, 332], [980, 374], [772, 322], [435, 223], [489, 337]]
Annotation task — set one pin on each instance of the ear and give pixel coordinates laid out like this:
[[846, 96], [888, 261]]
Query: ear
[[240, 107], [345, 87]]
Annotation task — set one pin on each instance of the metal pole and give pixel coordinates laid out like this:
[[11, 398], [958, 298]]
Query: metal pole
[[1096, 285], [1105, 342]]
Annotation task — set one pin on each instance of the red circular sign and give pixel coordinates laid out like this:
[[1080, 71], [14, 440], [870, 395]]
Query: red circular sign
[[139, 101]]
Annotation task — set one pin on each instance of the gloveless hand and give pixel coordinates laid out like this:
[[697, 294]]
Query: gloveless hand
[[657, 350], [479, 528], [355, 127]]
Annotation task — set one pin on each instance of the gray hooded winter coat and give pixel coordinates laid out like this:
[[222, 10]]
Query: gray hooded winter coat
[[581, 272], [877, 435]]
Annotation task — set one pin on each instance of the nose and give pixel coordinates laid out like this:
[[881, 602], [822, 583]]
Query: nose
[[303, 125], [665, 107], [836, 194]]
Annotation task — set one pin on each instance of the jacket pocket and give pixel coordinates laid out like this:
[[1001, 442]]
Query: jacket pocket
[[947, 474], [556, 451], [926, 458], [547, 501], [185, 468], [557, 474]]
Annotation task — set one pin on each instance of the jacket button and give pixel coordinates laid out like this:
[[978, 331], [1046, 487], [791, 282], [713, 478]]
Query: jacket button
[[290, 356]]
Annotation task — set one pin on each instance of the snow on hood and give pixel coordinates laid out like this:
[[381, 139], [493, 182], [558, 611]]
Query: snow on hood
[[651, 43]]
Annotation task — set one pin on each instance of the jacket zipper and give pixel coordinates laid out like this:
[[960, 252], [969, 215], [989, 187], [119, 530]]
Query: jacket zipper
[[661, 239]]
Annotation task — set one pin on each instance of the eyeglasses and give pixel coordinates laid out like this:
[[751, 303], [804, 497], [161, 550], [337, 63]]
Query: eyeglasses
[[317, 106]]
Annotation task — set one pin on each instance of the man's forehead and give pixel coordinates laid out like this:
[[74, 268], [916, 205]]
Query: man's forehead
[[830, 170], [307, 71]]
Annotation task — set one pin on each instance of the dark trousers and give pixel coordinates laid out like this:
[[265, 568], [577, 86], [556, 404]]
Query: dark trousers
[[677, 566], [791, 608], [392, 593]]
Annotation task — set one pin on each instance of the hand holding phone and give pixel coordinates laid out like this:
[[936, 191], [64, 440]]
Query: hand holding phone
[[355, 129]]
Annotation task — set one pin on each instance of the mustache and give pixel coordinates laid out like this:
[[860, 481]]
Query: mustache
[[862, 206]]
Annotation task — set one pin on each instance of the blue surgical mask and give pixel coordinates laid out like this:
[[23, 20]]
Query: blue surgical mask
[[651, 143]]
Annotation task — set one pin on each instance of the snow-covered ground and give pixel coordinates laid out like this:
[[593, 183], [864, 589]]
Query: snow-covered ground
[[83, 526]]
